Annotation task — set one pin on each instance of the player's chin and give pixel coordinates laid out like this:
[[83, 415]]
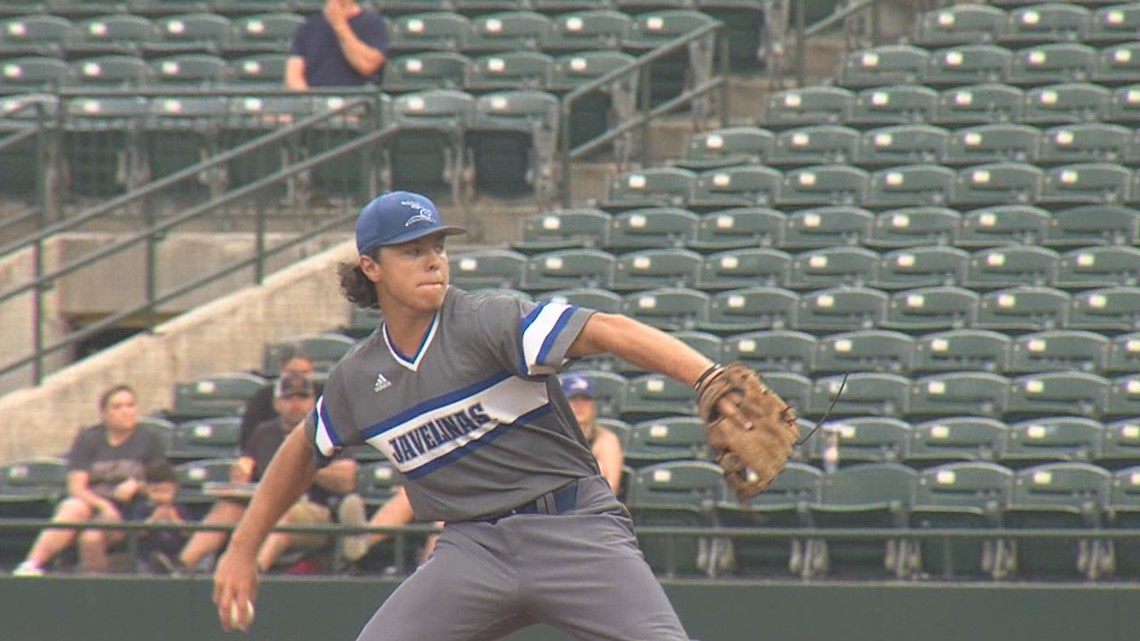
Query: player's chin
[[431, 296]]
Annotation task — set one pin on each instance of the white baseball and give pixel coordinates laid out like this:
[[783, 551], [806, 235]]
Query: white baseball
[[235, 614]]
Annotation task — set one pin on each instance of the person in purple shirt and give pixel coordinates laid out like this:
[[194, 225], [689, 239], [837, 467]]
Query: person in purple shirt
[[343, 46]]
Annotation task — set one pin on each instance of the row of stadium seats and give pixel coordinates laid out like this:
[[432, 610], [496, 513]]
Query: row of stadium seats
[[909, 268], [430, 70], [273, 32], [913, 184], [910, 143], [976, 63], [827, 227], [1074, 496], [1038, 22], [971, 104]]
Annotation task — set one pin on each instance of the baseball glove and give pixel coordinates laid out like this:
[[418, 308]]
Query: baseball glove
[[750, 426]]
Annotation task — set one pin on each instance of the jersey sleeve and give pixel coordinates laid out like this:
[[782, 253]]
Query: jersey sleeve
[[531, 339], [330, 427]]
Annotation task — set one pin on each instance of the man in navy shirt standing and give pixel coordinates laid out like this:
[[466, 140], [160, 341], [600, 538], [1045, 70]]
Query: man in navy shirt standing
[[344, 46]]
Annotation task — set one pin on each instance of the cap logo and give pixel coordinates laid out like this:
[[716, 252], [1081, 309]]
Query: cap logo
[[422, 215]]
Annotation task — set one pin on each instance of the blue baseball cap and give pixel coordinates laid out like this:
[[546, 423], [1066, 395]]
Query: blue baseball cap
[[398, 217], [577, 385]]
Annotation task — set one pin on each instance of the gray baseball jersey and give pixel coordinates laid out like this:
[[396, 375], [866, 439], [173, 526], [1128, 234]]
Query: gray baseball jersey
[[473, 420]]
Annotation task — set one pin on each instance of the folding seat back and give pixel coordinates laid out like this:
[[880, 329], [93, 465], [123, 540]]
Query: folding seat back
[[666, 439], [915, 226], [1114, 23], [206, 438], [111, 34], [961, 393], [892, 105], [590, 29], [931, 308], [1120, 445], [1056, 22], [996, 142], [190, 70], [34, 35], [808, 106], [739, 186], [841, 309], [1055, 62], [215, 395], [509, 70], [602, 300], [1059, 349], [751, 308], [814, 144], [325, 350], [655, 395], [194, 477], [488, 268], [1123, 397], [956, 438], [1086, 225], [1124, 104], [257, 70], [969, 64], [192, 32], [903, 144], [1092, 182], [1050, 439], [1010, 266], [670, 308], [1003, 225], [868, 439], [921, 184], [999, 182], [511, 142], [563, 229], [726, 147], [376, 482], [562, 268], [1044, 393], [1066, 102], [35, 73], [426, 70], [1085, 142], [609, 391], [111, 71], [835, 184], [925, 266], [264, 32], [427, 151], [885, 65], [1023, 308], [678, 493], [865, 350], [832, 267], [980, 104], [960, 24], [822, 227], [865, 393], [1106, 309], [656, 268], [430, 31], [771, 350], [961, 349], [739, 227], [34, 480], [1124, 354], [735, 268], [509, 31], [655, 186]]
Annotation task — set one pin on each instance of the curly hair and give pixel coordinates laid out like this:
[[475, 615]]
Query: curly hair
[[356, 287]]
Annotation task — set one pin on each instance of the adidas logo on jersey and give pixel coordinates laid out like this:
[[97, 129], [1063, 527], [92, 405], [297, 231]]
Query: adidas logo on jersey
[[382, 383]]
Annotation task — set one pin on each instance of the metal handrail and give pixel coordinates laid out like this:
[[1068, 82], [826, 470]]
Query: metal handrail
[[636, 66], [803, 31]]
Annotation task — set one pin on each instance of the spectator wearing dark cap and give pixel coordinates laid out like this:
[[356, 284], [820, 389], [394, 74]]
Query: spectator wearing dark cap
[[292, 359], [605, 444], [294, 398]]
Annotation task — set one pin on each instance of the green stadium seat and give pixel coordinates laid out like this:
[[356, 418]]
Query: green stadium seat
[[884, 65], [959, 393], [864, 439], [426, 70], [914, 227], [726, 147], [870, 495], [923, 266], [602, 300], [34, 35], [814, 144], [1057, 496], [1092, 182], [999, 182], [651, 187], [1010, 266], [35, 73], [652, 227], [182, 131], [263, 33], [200, 32], [1051, 439], [894, 105], [750, 309], [931, 308], [509, 70], [590, 28], [1055, 62], [376, 482], [111, 71], [563, 268], [1085, 142], [735, 268], [670, 308], [745, 29], [100, 145], [795, 389], [669, 75], [564, 229], [512, 140], [809, 106], [835, 266], [834, 184], [1125, 105], [1052, 393], [960, 495], [783, 504], [1124, 354], [675, 494], [966, 64], [841, 309], [648, 268], [1112, 309], [1118, 63], [822, 227], [980, 104], [902, 145], [1120, 445], [192, 476], [429, 31], [1120, 512], [479, 7], [675, 438], [989, 143], [1066, 103], [258, 70], [920, 184], [1056, 22], [1087, 225], [1003, 225], [215, 395], [739, 227], [656, 395], [488, 268], [948, 439], [31, 486], [206, 438], [1124, 397], [111, 34], [1115, 23], [866, 393], [780, 350], [1098, 267], [865, 350], [558, 6], [739, 186], [598, 110], [961, 349], [959, 24], [1023, 308], [251, 117], [191, 70], [324, 349], [1060, 349], [508, 31]]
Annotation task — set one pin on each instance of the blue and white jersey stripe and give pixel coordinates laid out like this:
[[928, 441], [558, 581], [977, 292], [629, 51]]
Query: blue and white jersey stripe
[[540, 329], [325, 436]]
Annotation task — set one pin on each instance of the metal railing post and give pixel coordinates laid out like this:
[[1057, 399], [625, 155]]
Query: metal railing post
[[800, 49], [564, 150], [876, 14], [725, 63]]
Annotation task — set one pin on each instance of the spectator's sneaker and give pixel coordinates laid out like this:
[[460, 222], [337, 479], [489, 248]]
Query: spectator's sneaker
[[351, 512], [28, 568]]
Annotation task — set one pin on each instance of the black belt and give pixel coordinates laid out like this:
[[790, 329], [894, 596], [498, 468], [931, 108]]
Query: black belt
[[561, 500]]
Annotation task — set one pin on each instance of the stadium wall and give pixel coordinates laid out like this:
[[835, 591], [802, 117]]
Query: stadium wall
[[145, 609]]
